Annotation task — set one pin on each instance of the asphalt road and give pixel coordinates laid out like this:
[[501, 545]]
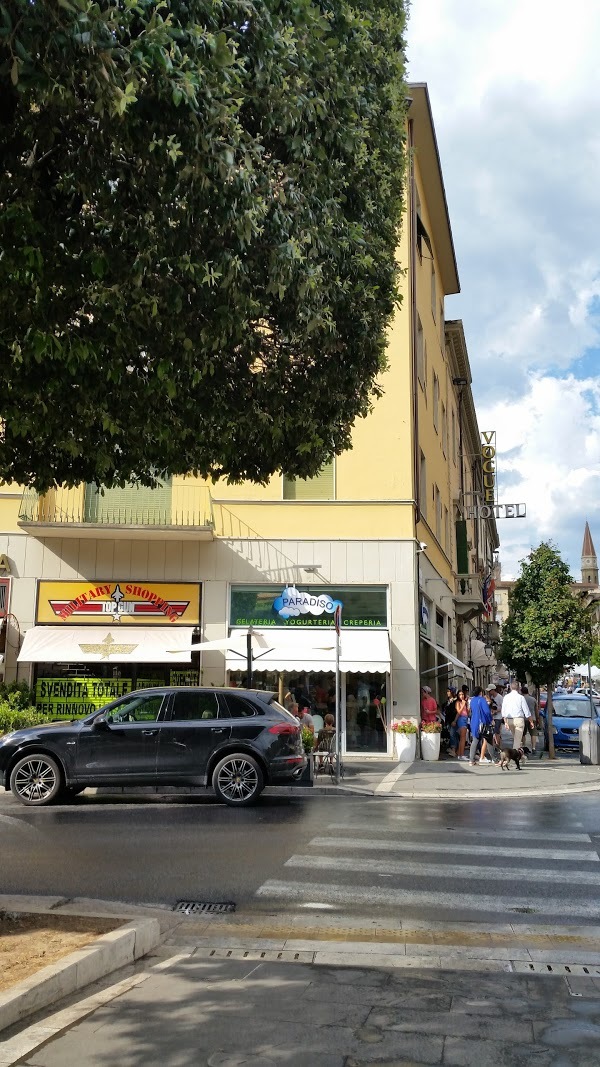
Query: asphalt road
[[498, 861]]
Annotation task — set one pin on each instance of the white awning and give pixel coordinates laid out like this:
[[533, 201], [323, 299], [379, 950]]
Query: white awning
[[450, 659], [106, 644], [295, 650]]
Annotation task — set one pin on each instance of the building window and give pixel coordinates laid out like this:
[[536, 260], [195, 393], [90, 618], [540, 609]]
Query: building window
[[447, 545], [437, 500], [454, 438], [442, 325], [423, 486], [433, 293], [436, 402], [135, 505], [440, 627], [444, 430], [321, 487], [421, 355]]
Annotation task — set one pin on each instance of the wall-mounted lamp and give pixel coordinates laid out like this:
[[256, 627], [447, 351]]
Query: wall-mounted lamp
[[421, 548], [460, 381], [310, 568]]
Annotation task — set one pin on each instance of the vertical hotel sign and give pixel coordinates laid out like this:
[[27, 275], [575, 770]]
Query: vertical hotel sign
[[488, 455]]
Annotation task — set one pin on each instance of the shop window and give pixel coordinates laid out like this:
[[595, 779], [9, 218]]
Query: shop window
[[321, 487], [194, 705], [238, 708]]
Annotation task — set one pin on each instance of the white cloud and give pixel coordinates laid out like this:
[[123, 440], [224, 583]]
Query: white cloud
[[515, 90], [548, 457]]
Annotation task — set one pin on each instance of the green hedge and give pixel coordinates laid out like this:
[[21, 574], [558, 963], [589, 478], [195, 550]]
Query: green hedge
[[14, 717]]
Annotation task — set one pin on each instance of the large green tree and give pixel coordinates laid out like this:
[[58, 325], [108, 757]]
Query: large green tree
[[547, 628], [199, 210]]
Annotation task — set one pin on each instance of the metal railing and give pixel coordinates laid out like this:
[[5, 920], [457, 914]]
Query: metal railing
[[183, 505]]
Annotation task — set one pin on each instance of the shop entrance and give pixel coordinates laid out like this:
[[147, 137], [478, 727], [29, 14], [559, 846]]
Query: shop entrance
[[364, 702]]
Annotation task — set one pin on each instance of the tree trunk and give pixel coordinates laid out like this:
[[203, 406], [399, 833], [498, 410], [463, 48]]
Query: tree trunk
[[551, 752]]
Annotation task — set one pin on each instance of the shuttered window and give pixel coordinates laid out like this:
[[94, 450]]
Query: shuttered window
[[321, 487], [132, 505]]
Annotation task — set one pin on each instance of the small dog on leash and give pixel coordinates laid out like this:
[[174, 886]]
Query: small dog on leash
[[508, 754]]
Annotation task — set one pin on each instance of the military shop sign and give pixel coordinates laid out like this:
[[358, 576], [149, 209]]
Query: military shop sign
[[125, 601]]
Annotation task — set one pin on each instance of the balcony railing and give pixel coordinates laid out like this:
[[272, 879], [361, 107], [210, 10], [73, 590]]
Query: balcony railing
[[181, 506], [468, 595]]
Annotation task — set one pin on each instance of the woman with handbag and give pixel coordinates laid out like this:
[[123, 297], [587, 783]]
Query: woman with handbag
[[482, 726]]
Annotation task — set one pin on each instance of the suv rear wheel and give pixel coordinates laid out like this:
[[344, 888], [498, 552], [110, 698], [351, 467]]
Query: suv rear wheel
[[36, 779], [238, 780]]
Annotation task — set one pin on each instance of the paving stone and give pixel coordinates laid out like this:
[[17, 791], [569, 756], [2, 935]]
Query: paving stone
[[463, 1052], [444, 1023]]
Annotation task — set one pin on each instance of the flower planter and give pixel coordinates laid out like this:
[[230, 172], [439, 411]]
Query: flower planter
[[406, 747], [430, 746]]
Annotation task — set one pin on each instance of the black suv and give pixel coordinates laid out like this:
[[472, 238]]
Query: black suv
[[236, 740]]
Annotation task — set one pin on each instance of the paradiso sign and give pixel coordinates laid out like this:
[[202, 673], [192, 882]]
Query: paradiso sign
[[490, 507]]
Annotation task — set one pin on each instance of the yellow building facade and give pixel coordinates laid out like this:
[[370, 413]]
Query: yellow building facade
[[375, 532]]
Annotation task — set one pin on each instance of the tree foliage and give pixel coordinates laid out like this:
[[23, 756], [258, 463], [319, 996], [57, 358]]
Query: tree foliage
[[199, 209], [547, 628]]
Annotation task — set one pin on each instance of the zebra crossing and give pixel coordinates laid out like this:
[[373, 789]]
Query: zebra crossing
[[433, 869]]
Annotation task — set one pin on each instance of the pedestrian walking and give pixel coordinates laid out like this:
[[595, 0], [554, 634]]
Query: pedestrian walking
[[482, 726], [514, 713], [532, 723], [450, 719], [462, 718]]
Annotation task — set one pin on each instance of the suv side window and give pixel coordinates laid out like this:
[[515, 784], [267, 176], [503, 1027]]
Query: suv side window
[[192, 704], [137, 709], [238, 708]]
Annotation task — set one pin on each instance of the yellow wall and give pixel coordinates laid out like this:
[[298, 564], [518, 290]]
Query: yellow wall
[[320, 521]]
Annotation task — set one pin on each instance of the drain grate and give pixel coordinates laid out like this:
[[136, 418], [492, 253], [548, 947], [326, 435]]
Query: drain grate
[[203, 907], [264, 955], [581, 970]]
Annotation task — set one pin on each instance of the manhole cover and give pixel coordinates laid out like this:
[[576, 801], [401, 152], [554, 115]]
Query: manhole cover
[[202, 907]]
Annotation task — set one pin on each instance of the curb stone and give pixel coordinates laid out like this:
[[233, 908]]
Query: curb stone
[[73, 972]]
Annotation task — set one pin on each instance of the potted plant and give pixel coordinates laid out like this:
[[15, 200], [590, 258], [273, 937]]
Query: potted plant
[[405, 740], [430, 740]]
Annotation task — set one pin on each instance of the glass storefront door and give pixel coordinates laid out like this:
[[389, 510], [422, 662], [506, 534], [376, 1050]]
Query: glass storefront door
[[366, 713]]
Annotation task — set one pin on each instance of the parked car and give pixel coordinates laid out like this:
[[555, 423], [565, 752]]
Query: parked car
[[235, 740], [583, 691], [569, 711]]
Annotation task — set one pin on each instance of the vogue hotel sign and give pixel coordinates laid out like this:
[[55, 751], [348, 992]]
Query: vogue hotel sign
[[490, 506]]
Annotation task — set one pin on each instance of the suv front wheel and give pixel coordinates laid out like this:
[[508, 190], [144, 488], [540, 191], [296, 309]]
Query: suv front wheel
[[238, 780], [36, 779]]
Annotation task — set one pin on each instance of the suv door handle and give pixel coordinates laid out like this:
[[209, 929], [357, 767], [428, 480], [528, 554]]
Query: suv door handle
[[149, 733], [218, 729]]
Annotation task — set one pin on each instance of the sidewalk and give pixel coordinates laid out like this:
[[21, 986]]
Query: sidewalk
[[450, 780], [425, 993]]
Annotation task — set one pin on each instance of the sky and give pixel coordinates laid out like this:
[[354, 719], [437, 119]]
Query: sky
[[515, 95]]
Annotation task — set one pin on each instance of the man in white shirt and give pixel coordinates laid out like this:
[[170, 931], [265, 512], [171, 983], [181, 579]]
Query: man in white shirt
[[514, 713]]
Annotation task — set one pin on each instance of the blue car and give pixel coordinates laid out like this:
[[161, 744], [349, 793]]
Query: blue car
[[568, 713]]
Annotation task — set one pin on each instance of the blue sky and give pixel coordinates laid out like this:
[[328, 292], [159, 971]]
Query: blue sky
[[515, 93]]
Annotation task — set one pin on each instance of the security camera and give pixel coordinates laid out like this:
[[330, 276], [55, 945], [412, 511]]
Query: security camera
[[422, 546]]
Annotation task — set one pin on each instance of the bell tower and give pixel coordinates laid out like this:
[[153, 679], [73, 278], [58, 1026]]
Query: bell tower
[[589, 560]]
